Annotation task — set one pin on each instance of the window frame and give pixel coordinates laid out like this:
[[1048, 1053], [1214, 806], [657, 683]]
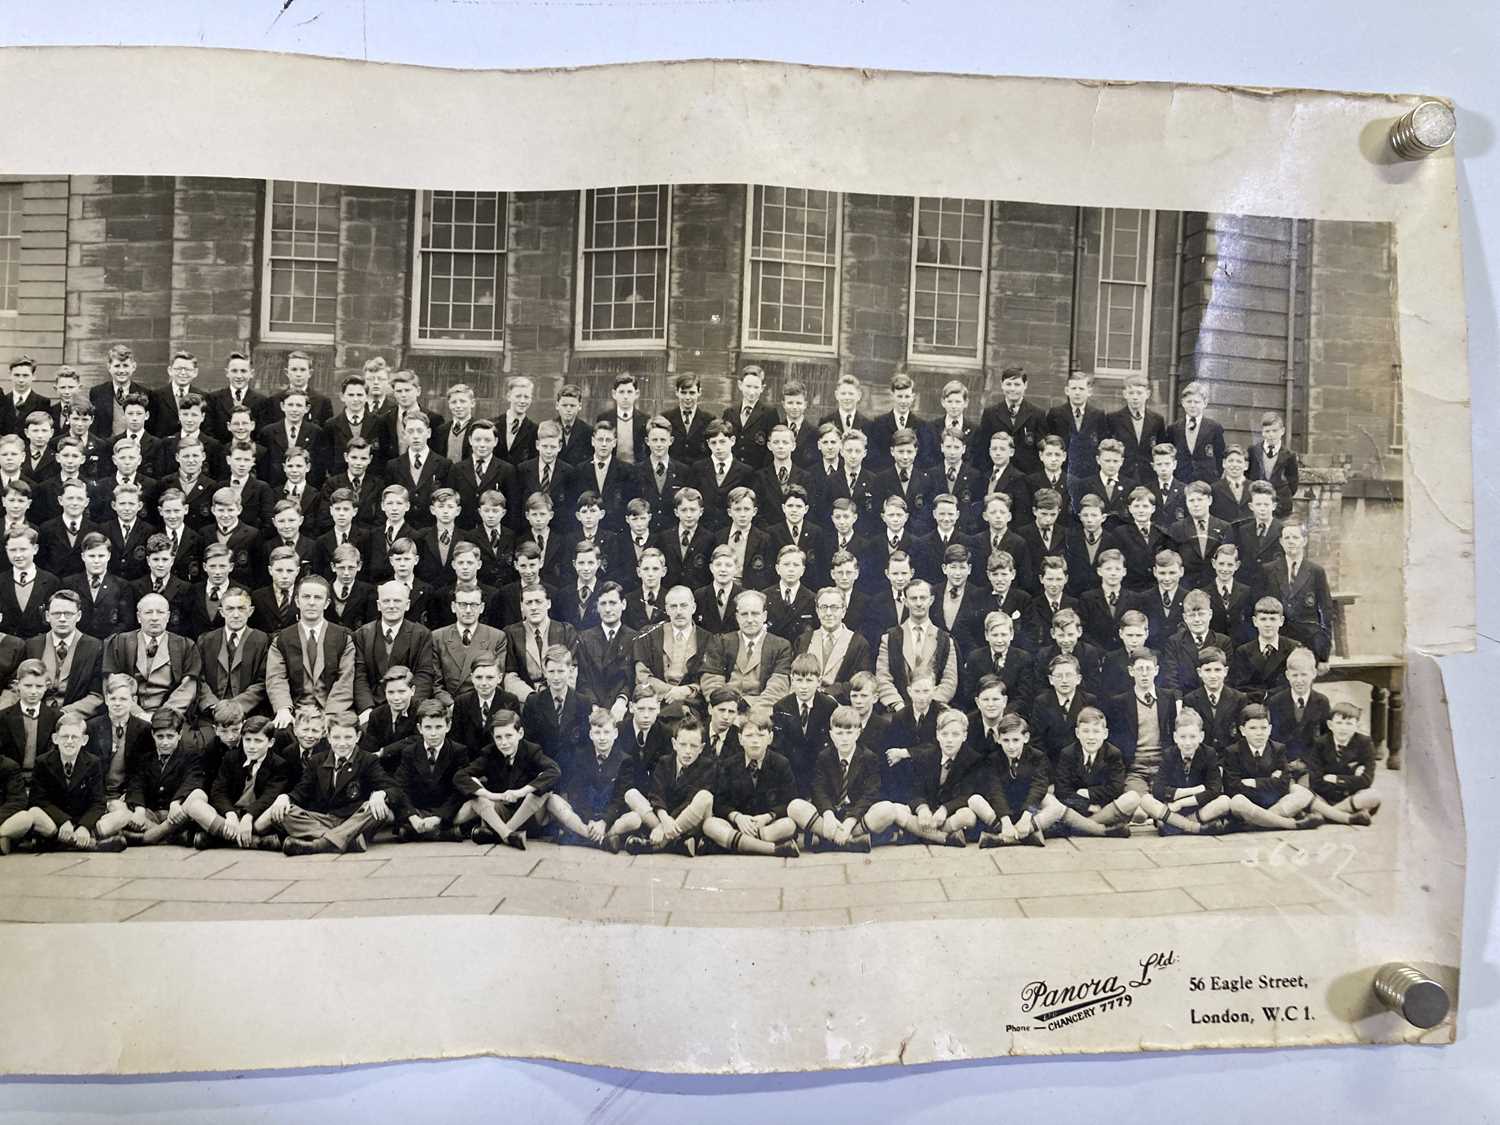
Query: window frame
[[266, 334], [581, 287], [939, 360], [414, 338], [774, 347], [20, 189], [1147, 287], [1398, 415]]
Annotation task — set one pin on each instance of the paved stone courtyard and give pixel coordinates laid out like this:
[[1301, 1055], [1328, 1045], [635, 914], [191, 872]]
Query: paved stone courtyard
[[1330, 870]]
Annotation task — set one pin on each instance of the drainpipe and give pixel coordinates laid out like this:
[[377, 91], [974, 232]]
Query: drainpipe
[[1291, 334], [1077, 291], [1175, 370]]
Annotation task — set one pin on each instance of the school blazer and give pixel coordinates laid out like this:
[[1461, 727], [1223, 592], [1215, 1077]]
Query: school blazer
[[1179, 658], [606, 669], [82, 691], [241, 680], [965, 778], [1206, 461], [357, 609], [850, 655], [102, 396], [577, 441], [386, 736], [1163, 618], [1104, 780], [1256, 673], [413, 648], [422, 788], [499, 476], [319, 407], [367, 513], [454, 661], [1052, 728], [750, 437], [708, 613], [738, 474], [1017, 671], [1221, 722], [1171, 501], [1231, 614], [13, 729], [13, 415], [1353, 767], [651, 660], [559, 488], [271, 781], [1101, 622], [849, 797], [1027, 426], [768, 789], [1116, 498], [443, 435], [1082, 441], [595, 787], [79, 800], [1299, 738], [1198, 564], [1139, 549], [435, 469], [1282, 473], [274, 442], [492, 770], [1123, 428], [1124, 728], [619, 488], [200, 498], [689, 437], [688, 568], [153, 784], [120, 653], [471, 718], [1268, 769], [641, 613], [361, 776], [801, 746], [267, 616], [662, 495], [32, 620], [671, 789], [373, 427], [1013, 788], [790, 619], [1308, 603], [520, 448], [217, 407], [287, 681], [1174, 774], [1226, 505]]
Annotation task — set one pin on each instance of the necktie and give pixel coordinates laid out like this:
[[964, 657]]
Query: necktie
[[1111, 598], [152, 646], [356, 483], [781, 475], [719, 470], [1192, 424], [584, 594], [1260, 531], [739, 537], [1297, 705], [62, 652], [1294, 571], [806, 714], [444, 538], [467, 637], [541, 647], [291, 437], [943, 772], [1202, 528], [1078, 419], [661, 474], [1166, 601], [68, 770], [557, 702], [723, 602], [231, 645], [1149, 700], [686, 539], [905, 476], [1271, 453], [916, 640], [72, 530], [344, 592], [515, 428], [494, 540], [745, 417], [390, 536], [390, 637], [546, 478], [481, 468], [432, 757], [416, 466], [1135, 417]]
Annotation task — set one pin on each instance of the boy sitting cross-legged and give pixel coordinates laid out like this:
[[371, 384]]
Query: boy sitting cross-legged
[[1015, 803], [589, 803], [1187, 793], [1343, 770], [425, 795], [506, 785], [846, 809], [752, 793], [1090, 781], [942, 785], [677, 799], [248, 781]]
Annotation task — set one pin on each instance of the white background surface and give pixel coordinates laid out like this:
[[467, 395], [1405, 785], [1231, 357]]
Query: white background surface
[[1440, 46]]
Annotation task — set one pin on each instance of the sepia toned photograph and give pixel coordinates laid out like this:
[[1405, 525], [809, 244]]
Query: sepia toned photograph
[[693, 554]]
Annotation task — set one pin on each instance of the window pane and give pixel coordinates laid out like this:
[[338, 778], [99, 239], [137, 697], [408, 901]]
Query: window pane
[[462, 293], [793, 250], [10, 245], [625, 262], [1125, 236], [947, 277], [304, 249]]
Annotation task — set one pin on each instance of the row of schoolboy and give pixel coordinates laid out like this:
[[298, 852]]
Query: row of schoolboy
[[853, 778]]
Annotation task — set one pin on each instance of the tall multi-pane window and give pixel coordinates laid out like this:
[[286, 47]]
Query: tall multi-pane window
[[1398, 415], [950, 252], [792, 269], [459, 275], [623, 253], [299, 284], [1123, 334], [10, 246]]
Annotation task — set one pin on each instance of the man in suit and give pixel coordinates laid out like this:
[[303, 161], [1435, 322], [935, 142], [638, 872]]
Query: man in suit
[[1024, 421], [22, 400], [1199, 440], [1141, 721], [840, 652], [238, 374], [1180, 653], [916, 645], [752, 660], [341, 799], [1231, 602], [234, 663], [516, 432], [167, 667], [420, 471], [73, 660], [1301, 586], [751, 418], [455, 647], [1138, 429], [528, 640], [311, 660], [606, 655], [689, 424], [390, 640], [555, 716], [669, 657]]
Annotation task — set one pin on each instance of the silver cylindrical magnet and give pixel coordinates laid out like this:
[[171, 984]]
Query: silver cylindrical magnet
[[1422, 1001], [1425, 129]]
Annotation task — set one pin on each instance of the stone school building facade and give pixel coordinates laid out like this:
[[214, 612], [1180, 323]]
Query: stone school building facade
[[465, 286]]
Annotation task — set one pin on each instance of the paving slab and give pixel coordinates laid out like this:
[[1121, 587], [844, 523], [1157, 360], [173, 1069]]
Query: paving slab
[[614, 874], [141, 865], [557, 897], [1191, 875], [227, 912], [55, 886], [1027, 886], [936, 911], [863, 894], [759, 920], [389, 907], [201, 890], [667, 900], [1134, 904], [751, 874], [506, 862], [1028, 860], [55, 909], [354, 889]]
